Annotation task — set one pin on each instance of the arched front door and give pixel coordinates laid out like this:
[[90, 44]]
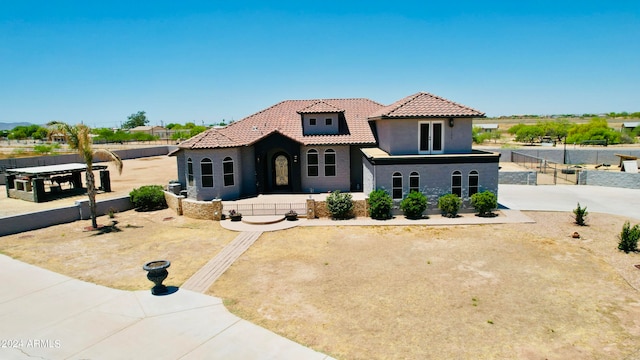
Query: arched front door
[[281, 171]]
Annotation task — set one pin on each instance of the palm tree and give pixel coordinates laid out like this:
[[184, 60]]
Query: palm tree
[[79, 138]]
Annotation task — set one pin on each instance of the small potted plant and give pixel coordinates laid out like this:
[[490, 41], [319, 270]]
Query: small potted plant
[[291, 215], [234, 215]]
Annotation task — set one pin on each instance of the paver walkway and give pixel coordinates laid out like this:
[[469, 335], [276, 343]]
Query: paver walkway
[[211, 271]]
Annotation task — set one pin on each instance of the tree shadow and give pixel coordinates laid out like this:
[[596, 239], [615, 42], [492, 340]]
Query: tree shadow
[[106, 229]]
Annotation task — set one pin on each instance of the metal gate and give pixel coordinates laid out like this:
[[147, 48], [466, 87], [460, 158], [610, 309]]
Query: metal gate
[[549, 172], [257, 209]]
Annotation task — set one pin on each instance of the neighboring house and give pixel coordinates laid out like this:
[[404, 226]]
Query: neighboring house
[[422, 142], [488, 128], [158, 131]]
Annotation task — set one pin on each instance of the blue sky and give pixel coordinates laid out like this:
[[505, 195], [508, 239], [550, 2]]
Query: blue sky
[[205, 61]]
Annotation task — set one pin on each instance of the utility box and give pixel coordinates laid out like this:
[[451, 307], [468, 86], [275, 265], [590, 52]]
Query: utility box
[[175, 188]]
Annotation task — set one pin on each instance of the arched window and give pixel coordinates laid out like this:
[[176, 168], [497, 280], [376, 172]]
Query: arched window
[[456, 183], [206, 172], [189, 172], [227, 171], [312, 162], [396, 186], [414, 182], [473, 182], [329, 162]]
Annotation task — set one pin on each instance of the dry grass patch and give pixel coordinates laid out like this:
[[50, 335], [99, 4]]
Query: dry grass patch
[[115, 258], [525, 291]]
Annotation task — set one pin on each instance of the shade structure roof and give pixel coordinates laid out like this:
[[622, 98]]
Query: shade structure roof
[[53, 169]]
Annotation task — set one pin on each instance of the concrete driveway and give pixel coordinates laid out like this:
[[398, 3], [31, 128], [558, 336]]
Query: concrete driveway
[[617, 201]]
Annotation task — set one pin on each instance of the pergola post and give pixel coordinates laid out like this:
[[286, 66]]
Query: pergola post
[[105, 181]]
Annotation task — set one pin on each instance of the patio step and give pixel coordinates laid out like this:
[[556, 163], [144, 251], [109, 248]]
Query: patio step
[[212, 270], [262, 220]]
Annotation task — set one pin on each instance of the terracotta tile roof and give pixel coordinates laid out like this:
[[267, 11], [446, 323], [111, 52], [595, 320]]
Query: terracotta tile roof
[[211, 138], [320, 106], [285, 118], [425, 105]]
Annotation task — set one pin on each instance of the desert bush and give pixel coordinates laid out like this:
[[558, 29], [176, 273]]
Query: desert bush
[[340, 204], [380, 204], [484, 202], [414, 205], [449, 204], [580, 215], [629, 238], [45, 148], [148, 197]]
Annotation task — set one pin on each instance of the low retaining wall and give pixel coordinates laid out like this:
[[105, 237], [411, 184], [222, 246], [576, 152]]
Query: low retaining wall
[[174, 202], [41, 219], [360, 208], [609, 178], [213, 210]]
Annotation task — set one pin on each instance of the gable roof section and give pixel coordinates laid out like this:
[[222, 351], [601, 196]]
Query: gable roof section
[[425, 105], [318, 107], [284, 118]]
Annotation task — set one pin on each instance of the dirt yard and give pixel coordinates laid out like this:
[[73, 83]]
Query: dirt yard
[[115, 258], [518, 291], [522, 291]]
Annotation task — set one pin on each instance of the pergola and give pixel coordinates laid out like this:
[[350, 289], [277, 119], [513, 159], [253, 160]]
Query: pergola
[[41, 183]]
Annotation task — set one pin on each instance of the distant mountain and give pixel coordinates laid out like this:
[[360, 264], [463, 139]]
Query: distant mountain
[[9, 126]]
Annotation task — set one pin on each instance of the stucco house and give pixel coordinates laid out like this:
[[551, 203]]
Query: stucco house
[[422, 142]]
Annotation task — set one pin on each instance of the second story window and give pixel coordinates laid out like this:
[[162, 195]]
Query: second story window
[[328, 121], [312, 162], [312, 122]]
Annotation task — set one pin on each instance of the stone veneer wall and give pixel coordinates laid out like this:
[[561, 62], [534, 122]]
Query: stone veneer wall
[[174, 202], [360, 209], [197, 209]]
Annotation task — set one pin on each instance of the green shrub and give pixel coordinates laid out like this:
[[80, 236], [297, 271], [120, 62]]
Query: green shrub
[[340, 204], [414, 205], [380, 204], [580, 215], [148, 197], [449, 204], [42, 149], [629, 238], [484, 202]]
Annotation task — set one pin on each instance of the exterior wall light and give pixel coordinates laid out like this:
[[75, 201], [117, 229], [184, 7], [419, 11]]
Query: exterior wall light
[[450, 122]]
